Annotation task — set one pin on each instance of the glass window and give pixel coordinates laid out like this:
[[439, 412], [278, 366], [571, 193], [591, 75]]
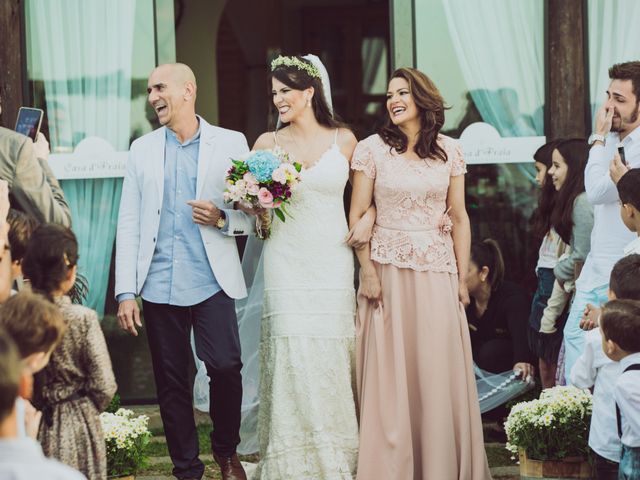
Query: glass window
[[493, 75], [88, 63]]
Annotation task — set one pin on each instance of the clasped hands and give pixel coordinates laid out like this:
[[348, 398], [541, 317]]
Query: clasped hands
[[590, 317]]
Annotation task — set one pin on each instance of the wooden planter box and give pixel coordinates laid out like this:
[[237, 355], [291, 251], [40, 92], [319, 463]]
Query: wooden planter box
[[553, 469]]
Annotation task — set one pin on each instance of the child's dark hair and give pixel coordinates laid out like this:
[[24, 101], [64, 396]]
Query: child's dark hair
[[541, 217], [629, 188], [575, 152], [620, 323], [52, 251], [624, 281], [34, 323], [21, 227], [487, 253]]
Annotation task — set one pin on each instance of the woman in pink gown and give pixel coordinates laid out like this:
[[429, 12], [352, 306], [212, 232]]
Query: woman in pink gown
[[419, 412]]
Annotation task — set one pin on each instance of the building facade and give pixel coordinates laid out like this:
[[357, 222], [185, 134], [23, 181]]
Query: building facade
[[529, 69]]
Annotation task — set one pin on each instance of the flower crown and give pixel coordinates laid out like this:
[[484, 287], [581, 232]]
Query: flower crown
[[308, 68]]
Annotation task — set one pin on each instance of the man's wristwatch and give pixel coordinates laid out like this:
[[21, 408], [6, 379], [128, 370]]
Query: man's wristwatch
[[596, 137], [222, 220]]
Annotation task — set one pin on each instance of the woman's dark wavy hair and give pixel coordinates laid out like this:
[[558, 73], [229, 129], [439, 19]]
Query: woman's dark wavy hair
[[575, 152], [298, 79], [51, 252], [487, 253], [431, 109], [541, 216]]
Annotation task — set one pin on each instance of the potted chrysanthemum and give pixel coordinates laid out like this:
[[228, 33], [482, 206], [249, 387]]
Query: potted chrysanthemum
[[550, 434], [127, 437]]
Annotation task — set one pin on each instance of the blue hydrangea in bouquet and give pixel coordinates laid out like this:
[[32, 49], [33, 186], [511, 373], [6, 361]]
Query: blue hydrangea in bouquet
[[263, 180]]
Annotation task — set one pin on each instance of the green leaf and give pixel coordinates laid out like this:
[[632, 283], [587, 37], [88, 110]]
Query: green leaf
[[298, 166], [279, 213], [283, 207]]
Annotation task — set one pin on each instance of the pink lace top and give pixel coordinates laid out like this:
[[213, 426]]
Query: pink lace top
[[412, 229]]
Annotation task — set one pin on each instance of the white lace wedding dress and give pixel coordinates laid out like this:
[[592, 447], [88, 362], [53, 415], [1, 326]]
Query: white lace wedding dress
[[307, 426]]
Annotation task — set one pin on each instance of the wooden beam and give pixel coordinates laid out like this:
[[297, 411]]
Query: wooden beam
[[567, 92], [11, 61]]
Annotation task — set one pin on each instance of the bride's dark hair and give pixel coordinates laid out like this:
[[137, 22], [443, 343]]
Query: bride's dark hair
[[430, 110], [298, 79]]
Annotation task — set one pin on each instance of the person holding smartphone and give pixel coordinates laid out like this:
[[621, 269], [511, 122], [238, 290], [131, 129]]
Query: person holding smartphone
[[33, 187], [617, 122], [619, 165]]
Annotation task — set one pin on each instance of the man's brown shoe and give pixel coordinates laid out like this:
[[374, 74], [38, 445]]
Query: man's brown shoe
[[230, 467]]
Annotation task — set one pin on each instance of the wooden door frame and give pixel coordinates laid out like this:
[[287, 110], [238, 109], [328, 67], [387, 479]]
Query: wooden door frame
[[13, 81]]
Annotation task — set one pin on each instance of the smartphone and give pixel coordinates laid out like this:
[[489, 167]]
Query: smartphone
[[29, 121], [621, 153]]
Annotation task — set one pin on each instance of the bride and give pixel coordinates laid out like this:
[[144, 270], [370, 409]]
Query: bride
[[307, 425]]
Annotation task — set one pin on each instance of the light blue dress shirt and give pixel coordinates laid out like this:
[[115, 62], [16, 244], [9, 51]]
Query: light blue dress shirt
[[180, 273]]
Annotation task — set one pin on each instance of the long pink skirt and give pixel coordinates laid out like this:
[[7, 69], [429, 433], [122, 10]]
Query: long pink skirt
[[419, 412]]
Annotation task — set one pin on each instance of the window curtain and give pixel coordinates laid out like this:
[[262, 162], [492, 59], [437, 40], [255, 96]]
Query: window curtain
[[503, 65], [613, 33], [83, 51]]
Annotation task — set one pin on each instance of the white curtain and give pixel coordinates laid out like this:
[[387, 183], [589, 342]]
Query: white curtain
[[500, 48], [613, 38], [82, 50]]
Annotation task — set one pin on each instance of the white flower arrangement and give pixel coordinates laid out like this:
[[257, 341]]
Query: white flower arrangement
[[553, 427], [126, 437]]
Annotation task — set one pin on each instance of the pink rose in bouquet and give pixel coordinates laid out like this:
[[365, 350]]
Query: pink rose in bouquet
[[264, 180]]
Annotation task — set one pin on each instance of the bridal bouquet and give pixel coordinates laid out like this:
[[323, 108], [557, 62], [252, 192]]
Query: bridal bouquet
[[264, 180]]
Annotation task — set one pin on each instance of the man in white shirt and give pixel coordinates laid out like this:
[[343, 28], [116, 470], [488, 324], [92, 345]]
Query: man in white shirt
[[21, 458], [620, 325], [617, 122]]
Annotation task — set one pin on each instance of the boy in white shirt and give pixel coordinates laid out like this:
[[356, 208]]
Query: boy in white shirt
[[594, 369], [620, 324]]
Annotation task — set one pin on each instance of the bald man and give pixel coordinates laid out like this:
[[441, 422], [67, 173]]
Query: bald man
[[175, 249]]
